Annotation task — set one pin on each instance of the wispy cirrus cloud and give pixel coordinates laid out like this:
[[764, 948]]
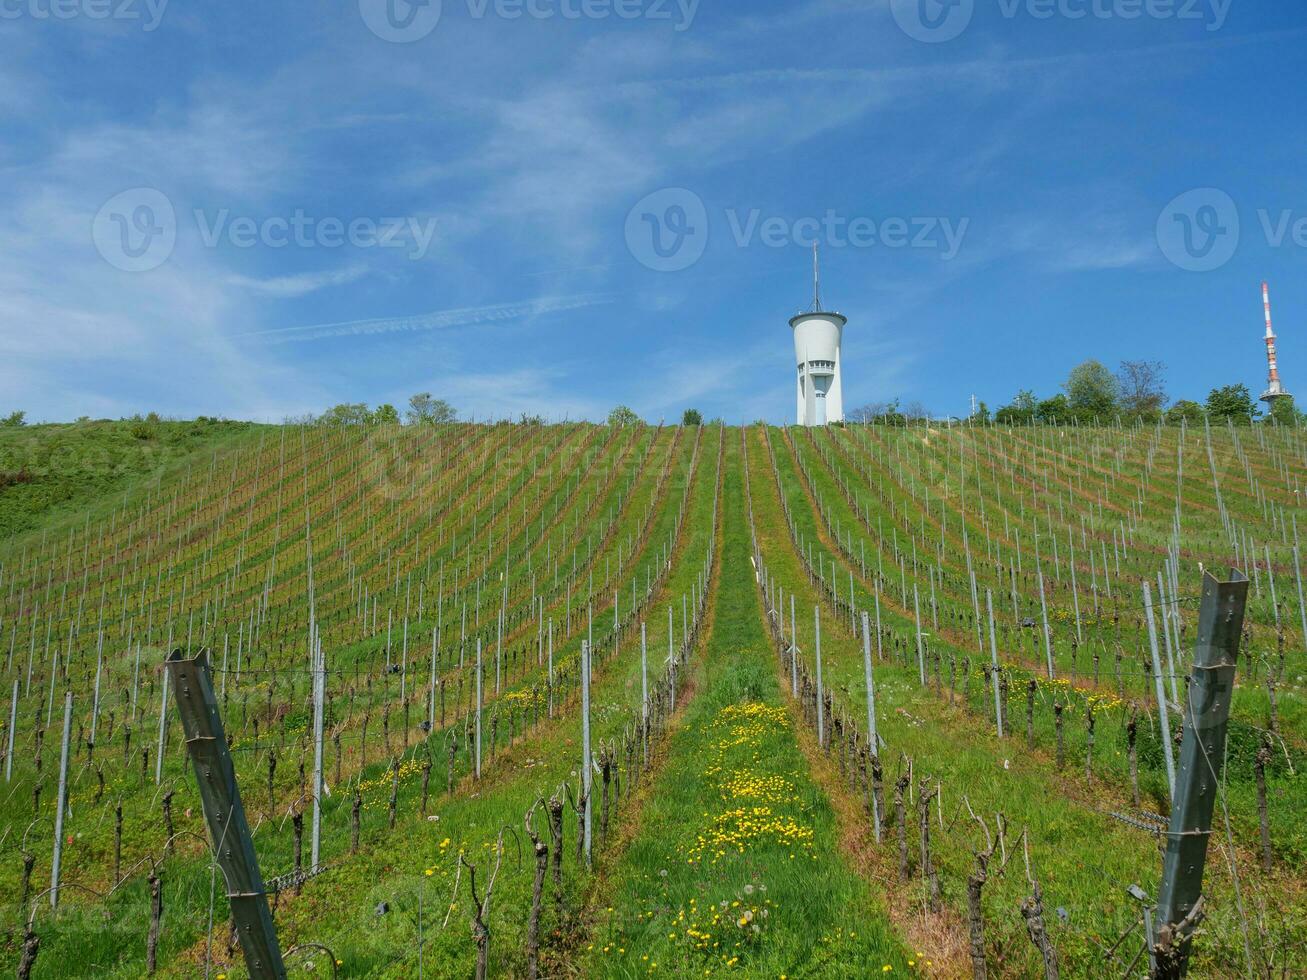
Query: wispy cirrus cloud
[[299, 285]]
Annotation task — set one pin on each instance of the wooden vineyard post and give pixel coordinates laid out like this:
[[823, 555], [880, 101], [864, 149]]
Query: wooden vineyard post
[[1206, 718], [233, 848]]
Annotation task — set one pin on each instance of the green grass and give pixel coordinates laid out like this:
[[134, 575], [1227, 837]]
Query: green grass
[[1083, 856], [737, 865], [58, 470], [154, 528]]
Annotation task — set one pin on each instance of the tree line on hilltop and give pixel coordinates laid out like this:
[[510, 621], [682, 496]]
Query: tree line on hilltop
[[1092, 394]]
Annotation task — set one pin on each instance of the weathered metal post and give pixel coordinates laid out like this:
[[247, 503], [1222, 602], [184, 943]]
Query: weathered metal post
[[220, 799], [61, 804], [163, 732], [1164, 718], [821, 722], [478, 724], [1048, 634], [1202, 754], [794, 653], [319, 713], [586, 762], [872, 742], [13, 723], [993, 653]]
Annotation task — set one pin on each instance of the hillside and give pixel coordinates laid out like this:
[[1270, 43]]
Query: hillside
[[70, 468], [742, 820]]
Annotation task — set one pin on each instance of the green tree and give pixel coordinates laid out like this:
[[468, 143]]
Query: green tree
[[621, 415], [385, 415], [1141, 388], [14, 419], [1233, 402], [1056, 410], [423, 409], [1184, 411], [981, 414], [346, 413], [1092, 391], [691, 417], [1021, 409], [1284, 412]]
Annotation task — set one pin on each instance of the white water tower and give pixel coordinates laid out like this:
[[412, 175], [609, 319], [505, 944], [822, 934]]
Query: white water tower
[[817, 336]]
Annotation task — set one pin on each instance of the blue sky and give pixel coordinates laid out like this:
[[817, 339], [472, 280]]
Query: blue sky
[[258, 210]]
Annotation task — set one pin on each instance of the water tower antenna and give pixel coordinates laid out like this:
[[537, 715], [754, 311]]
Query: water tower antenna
[[816, 281]]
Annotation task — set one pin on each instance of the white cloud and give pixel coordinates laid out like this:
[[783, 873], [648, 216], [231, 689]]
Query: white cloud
[[299, 285]]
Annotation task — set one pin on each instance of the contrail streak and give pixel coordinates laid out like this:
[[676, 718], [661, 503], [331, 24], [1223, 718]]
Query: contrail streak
[[466, 316]]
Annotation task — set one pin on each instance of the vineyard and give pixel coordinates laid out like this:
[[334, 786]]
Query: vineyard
[[579, 700]]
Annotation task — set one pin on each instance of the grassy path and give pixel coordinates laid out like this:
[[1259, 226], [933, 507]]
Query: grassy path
[[737, 864]]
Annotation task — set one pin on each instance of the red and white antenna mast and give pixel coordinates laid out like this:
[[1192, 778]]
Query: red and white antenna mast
[[1274, 389]]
